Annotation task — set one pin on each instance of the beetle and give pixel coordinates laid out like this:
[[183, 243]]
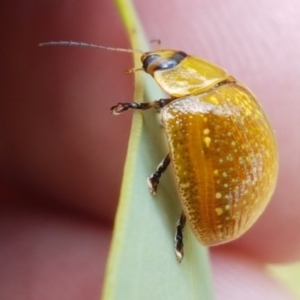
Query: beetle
[[221, 144]]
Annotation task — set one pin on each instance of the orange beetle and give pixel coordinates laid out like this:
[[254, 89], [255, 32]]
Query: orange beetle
[[222, 147]]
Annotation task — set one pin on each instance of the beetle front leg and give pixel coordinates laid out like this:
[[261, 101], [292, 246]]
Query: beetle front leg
[[179, 237], [121, 107], [153, 180]]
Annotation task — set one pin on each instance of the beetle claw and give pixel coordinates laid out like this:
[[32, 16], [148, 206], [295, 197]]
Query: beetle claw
[[152, 184], [133, 70], [179, 254], [118, 109]]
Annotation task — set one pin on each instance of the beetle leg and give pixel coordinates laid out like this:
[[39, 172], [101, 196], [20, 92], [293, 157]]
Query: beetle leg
[[121, 107], [153, 180], [179, 237]]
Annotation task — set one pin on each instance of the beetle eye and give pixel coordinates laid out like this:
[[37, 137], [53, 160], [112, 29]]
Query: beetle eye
[[155, 62], [150, 59], [167, 64], [171, 62]]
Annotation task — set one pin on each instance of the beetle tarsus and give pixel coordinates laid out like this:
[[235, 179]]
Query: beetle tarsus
[[153, 180], [179, 253], [133, 70], [179, 238], [121, 107]]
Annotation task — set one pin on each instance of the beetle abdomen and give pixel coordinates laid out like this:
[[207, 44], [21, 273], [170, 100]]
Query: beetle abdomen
[[225, 160]]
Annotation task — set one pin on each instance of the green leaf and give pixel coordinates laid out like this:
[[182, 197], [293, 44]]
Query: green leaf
[[142, 263], [287, 274]]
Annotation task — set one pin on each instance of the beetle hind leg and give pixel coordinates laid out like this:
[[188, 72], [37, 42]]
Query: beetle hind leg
[[179, 237], [153, 180]]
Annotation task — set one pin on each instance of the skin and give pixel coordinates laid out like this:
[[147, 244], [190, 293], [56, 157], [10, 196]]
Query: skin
[[59, 185]]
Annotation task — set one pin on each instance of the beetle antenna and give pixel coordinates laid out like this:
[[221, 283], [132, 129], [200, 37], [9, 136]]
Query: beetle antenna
[[81, 44]]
